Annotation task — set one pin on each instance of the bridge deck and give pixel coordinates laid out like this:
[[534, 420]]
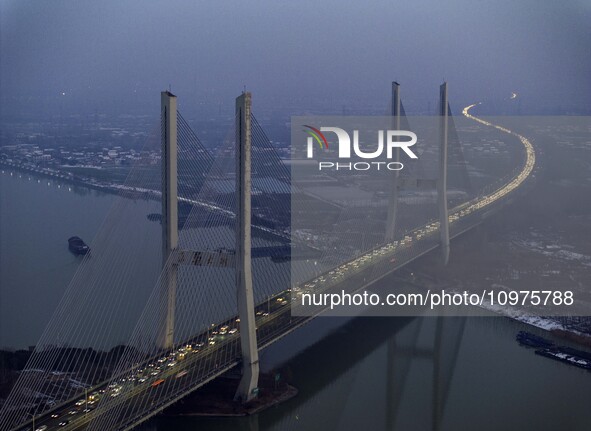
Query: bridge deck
[[133, 399]]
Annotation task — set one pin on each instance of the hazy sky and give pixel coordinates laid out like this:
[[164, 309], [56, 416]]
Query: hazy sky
[[118, 54]]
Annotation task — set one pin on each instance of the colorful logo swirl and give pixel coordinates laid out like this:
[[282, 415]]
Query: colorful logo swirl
[[317, 135]]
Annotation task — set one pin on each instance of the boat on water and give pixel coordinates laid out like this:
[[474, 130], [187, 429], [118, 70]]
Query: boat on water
[[576, 352], [559, 355], [77, 246], [531, 340]]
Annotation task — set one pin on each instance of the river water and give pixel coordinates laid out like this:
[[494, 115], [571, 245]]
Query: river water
[[364, 373]]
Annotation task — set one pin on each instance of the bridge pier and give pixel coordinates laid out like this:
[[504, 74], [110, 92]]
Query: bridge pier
[[248, 338], [442, 182], [393, 198], [170, 235]]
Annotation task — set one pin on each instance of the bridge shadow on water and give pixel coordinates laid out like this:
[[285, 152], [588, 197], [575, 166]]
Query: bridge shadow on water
[[325, 371]]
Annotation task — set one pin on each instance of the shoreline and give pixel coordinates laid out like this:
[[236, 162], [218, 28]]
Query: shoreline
[[116, 189]]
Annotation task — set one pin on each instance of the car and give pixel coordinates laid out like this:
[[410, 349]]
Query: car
[[55, 415], [64, 423], [41, 428], [157, 382]]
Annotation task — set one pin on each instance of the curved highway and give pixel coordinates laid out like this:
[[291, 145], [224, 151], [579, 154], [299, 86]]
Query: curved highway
[[159, 382]]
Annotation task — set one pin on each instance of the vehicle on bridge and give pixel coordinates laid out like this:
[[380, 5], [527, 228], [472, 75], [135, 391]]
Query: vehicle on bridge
[[157, 382]]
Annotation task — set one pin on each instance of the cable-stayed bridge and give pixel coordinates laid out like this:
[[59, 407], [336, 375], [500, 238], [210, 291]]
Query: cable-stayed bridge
[[225, 288]]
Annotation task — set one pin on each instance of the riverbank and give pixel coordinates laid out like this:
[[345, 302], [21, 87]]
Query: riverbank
[[552, 326], [117, 189]]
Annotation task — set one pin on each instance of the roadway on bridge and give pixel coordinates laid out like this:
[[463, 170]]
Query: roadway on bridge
[[163, 380]]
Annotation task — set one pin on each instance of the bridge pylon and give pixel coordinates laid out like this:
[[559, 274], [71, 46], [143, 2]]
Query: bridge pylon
[[393, 198], [442, 181], [245, 296], [170, 235], [173, 256]]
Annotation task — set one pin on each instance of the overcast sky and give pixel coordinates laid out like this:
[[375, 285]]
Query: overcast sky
[[118, 54]]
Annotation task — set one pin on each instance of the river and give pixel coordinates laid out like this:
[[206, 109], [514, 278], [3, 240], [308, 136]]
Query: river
[[364, 373]]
